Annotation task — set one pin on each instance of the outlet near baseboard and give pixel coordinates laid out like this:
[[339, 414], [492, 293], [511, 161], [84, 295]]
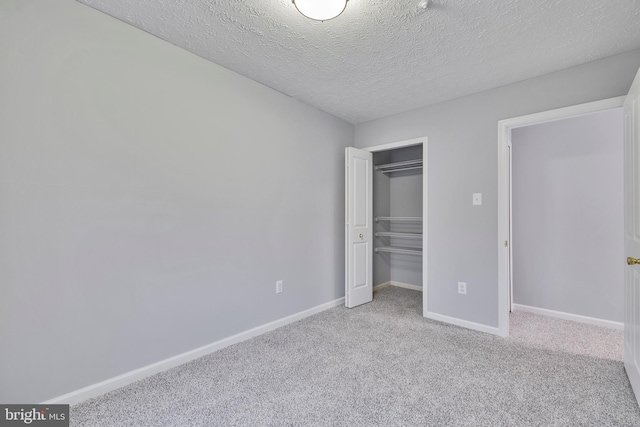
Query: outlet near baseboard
[[278, 286]]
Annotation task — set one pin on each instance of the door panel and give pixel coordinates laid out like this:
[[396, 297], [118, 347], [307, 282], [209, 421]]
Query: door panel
[[358, 227], [361, 276], [632, 235], [361, 212]]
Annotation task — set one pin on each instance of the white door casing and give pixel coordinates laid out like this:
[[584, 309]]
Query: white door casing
[[358, 227], [509, 242], [632, 235], [505, 127]]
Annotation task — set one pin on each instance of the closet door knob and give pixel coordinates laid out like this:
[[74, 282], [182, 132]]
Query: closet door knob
[[632, 261], [361, 236]]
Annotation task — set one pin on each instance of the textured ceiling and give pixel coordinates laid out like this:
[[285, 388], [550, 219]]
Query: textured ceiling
[[382, 57]]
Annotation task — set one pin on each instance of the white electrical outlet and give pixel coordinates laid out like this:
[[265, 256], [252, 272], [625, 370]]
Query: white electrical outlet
[[462, 288], [278, 286]]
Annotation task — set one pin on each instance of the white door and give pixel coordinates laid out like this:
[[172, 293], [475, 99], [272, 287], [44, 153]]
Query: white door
[[632, 235], [358, 236]]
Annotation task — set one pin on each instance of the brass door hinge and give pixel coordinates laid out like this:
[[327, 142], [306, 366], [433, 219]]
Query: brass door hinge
[[506, 243]]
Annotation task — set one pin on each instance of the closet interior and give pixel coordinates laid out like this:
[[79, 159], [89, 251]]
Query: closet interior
[[397, 212]]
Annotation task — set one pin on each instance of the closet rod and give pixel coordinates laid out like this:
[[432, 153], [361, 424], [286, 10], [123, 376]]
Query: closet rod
[[417, 162], [398, 218], [401, 169], [393, 234], [399, 250]]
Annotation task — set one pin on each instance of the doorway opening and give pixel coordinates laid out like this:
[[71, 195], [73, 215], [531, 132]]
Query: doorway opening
[[386, 219], [506, 131]]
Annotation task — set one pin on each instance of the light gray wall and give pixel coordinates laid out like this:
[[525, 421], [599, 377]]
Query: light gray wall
[[381, 207], [567, 210], [397, 195], [406, 200], [149, 200], [463, 159]]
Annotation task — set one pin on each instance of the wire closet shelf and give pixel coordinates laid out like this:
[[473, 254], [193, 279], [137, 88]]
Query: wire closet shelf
[[393, 234], [395, 250], [398, 218], [407, 165]]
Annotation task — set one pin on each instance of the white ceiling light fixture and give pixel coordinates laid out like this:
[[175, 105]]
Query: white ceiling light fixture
[[320, 10]]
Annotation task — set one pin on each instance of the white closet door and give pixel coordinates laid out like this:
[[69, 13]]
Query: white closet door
[[359, 230], [632, 235]]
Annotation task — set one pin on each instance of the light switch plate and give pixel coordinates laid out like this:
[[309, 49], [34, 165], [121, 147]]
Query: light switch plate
[[477, 199], [462, 288]]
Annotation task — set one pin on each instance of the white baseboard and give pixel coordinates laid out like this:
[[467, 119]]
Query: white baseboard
[[146, 371], [464, 323], [406, 286], [399, 285], [568, 316], [442, 318], [381, 286]]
